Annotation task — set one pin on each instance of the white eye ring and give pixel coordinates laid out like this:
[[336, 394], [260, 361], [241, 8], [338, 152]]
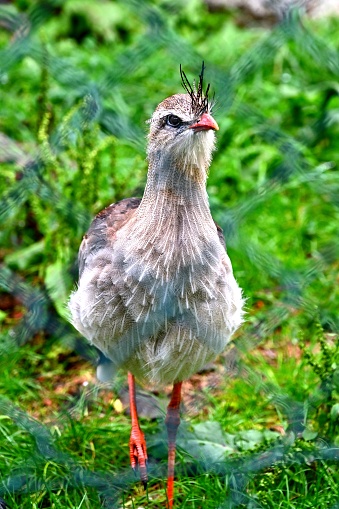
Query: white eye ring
[[173, 121]]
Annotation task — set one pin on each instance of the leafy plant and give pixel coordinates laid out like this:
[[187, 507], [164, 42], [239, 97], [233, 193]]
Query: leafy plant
[[78, 80], [323, 358]]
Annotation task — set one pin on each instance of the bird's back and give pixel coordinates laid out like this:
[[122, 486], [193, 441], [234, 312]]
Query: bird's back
[[104, 228]]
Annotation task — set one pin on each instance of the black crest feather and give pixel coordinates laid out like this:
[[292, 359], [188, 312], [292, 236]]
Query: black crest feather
[[199, 98]]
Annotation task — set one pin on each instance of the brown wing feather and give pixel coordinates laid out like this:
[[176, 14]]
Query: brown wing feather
[[105, 224]]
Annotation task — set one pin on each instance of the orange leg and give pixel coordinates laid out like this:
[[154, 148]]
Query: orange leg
[[137, 443], [172, 423]]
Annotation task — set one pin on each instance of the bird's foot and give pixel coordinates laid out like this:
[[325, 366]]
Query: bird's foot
[[138, 453]]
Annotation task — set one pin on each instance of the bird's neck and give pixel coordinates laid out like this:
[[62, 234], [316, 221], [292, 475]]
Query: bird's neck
[[172, 227], [175, 184]]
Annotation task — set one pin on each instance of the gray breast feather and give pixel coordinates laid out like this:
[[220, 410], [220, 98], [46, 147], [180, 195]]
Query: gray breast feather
[[136, 315]]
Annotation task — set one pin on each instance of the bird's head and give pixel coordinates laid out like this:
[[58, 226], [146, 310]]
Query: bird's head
[[182, 127]]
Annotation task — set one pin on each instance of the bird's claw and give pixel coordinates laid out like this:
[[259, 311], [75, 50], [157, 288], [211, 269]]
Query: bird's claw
[[138, 454]]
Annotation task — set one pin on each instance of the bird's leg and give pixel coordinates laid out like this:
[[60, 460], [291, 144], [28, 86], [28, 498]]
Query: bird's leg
[[172, 423], [137, 443]]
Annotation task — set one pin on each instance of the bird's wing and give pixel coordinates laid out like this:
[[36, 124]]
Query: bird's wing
[[220, 235], [104, 226]]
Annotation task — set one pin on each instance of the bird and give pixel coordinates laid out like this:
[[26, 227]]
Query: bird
[[156, 291]]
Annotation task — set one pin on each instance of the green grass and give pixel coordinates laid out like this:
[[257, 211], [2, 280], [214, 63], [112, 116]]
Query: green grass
[[261, 430]]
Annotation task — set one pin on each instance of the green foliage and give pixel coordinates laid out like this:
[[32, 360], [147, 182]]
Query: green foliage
[[78, 80], [324, 403]]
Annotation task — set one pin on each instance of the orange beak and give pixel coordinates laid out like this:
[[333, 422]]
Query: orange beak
[[205, 123]]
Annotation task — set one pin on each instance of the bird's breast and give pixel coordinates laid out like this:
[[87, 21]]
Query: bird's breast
[[159, 297], [162, 280]]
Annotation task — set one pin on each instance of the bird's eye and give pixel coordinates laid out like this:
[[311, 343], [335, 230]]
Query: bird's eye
[[173, 121]]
